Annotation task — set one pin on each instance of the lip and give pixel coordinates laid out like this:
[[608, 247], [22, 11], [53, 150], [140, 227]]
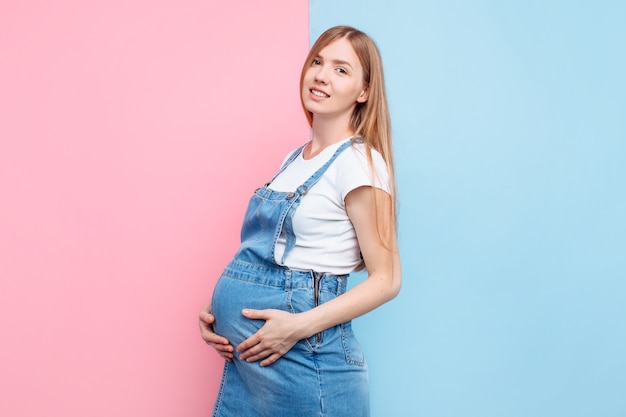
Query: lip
[[320, 90]]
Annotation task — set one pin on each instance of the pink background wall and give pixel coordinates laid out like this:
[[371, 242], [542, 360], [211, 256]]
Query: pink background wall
[[131, 135]]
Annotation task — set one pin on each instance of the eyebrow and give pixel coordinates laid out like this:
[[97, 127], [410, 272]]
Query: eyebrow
[[336, 61]]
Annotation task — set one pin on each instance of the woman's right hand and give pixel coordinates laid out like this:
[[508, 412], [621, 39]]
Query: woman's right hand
[[219, 343]]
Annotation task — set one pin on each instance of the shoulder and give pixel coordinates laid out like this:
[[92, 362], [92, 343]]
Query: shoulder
[[356, 156], [353, 169]]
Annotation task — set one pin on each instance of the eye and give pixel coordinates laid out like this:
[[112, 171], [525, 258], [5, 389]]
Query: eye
[[341, 71], [316, 62]]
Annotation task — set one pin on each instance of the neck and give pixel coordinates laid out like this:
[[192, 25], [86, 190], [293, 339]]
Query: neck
[[327, 132]]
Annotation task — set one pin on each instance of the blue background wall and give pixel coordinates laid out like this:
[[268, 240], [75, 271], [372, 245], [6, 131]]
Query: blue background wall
[[510, 139]]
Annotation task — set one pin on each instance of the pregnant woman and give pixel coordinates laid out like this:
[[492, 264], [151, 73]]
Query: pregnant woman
[[280, 314]]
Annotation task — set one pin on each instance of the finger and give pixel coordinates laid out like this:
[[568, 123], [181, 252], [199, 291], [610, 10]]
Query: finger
[[270, 359], [224, 347], [206, 317], [253, 340], [252, 354], [250, 342], [267, 356], [225, 351], [259, 351], [226, 356], [209, 336], [256, 354], [212, 338], [256, 314]]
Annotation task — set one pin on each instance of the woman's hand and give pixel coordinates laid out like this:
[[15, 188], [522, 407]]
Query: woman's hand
[[217, 342], [277, 336]]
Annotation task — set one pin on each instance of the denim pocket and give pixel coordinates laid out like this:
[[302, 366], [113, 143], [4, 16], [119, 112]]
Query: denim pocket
[[298, 301], [351, 346]]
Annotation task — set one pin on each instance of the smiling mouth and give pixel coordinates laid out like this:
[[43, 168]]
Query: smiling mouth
[[318, 93]]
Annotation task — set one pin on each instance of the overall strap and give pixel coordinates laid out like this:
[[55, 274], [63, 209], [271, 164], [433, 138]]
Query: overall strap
[[304, 188], [289, 160], [299, 193]]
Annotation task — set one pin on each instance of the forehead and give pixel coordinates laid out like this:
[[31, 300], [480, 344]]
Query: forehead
[[340, 50]]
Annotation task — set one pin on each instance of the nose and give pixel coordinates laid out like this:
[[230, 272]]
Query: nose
[[321, 75]]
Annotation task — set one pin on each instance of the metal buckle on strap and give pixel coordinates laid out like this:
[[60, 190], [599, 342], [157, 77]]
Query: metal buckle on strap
[[302, 190]]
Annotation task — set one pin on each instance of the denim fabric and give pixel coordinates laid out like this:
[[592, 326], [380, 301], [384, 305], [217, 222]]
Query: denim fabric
[[324, 375]]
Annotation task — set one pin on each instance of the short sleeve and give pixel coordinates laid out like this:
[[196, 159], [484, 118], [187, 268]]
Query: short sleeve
[[354, 170]]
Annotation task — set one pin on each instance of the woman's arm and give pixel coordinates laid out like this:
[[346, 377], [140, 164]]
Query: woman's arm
[[369, 210]]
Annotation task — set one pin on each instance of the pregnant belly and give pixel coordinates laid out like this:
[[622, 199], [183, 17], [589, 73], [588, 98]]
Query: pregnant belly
[[232, 295]]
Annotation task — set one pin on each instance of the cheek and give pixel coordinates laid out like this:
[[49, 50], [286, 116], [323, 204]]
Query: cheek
[[306, 81], [305, 92], [309, 75], [351, 92]]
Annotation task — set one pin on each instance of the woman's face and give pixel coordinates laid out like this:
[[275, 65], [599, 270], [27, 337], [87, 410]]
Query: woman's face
[[333, 83]]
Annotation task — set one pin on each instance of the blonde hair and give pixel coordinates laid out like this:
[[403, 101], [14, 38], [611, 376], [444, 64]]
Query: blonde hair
[[370, 120]]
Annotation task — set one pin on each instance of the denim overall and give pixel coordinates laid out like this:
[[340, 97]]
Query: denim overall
[[324, 375]]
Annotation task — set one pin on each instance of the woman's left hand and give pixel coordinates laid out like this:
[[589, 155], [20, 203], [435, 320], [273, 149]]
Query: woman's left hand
[[273, 340]]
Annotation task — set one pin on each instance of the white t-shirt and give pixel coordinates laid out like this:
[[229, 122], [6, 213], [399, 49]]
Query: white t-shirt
[[325, 238]]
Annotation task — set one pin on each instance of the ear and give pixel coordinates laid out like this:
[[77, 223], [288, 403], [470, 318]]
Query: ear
[[365, 94]]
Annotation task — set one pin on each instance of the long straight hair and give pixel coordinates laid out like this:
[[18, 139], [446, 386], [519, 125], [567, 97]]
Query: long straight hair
[[370, 120]]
